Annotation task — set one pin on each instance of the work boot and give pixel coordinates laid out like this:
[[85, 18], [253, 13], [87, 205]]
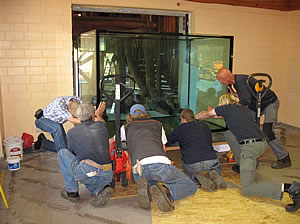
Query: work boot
[[205, 182], [37, 145], [71, 196], [143, 193], [217, 179], [159, 194], [103, 197], [236, 168], [294, 192], [282, 163]]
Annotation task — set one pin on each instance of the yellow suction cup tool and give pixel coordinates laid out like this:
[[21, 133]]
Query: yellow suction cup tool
[[259, 87]]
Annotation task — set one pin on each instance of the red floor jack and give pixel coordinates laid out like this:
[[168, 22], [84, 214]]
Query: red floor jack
[[120, 164], [118, 152], [260, 89]]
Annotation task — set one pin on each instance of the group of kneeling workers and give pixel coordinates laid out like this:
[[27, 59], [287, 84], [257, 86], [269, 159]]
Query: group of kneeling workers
[[86, 158]]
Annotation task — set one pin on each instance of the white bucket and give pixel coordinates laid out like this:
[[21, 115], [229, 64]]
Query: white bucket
[[13, 146], [13, 163]]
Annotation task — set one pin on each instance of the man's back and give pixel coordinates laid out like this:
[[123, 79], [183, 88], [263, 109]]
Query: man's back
[[144, 139], [89, 140], [195, 141]]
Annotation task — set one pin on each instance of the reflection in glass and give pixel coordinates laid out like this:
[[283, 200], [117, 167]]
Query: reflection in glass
[[171, 71], [87, 66]]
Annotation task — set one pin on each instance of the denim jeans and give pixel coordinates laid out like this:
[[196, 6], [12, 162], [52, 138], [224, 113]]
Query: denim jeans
[[207, 165], [73, 171], [177, 182], [57, 132], [249, 153]]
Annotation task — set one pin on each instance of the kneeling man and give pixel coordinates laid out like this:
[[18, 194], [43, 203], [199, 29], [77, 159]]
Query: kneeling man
[[87, 158]]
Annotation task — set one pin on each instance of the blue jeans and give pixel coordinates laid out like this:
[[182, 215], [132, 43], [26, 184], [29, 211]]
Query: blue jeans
[[207, 165], [57, 132], [177, 182], [73, 171]]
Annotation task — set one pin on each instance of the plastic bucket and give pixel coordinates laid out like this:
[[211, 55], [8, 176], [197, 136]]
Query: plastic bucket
[[13, 163], [13, 147]]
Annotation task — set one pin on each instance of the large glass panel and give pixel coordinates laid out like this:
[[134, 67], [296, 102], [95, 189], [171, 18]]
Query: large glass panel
[[87, 66], [208, 55], [156, 62], [171, 72]]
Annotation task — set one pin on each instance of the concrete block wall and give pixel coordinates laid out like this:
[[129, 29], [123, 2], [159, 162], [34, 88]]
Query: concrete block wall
[[2, 134], [36, 49], [35, 59]]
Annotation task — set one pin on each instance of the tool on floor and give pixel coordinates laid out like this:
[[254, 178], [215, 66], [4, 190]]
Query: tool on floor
[[229, 157], [119, 160], [1, 189], [260, 89], [118, 153]]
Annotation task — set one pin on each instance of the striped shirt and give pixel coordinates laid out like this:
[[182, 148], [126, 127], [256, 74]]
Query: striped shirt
[[57, 110]]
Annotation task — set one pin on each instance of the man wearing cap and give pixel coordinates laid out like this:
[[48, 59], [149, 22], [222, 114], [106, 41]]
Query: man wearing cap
[[51, 120], [152, 169]]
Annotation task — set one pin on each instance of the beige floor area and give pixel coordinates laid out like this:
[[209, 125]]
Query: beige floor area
[[33, 196]]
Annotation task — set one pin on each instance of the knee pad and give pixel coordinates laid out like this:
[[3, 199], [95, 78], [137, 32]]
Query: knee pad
[[267, 129]]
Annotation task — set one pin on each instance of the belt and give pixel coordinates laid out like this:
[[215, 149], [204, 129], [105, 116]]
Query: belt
[[250, 140], [104, 167]]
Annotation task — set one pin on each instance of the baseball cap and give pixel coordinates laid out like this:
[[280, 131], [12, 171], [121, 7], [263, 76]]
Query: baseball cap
[[136, 107]]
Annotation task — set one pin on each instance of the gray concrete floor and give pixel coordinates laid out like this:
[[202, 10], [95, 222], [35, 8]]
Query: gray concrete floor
[[33, 192]]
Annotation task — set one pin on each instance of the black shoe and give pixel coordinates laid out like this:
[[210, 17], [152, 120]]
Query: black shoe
[[103, 197], [294, 192], [143, 193], [282, 163], [160, 195], [205, 182], [236, 168], [40, 139], [71, 196]]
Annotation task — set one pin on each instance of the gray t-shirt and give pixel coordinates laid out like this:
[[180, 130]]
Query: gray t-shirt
[[89, 140]]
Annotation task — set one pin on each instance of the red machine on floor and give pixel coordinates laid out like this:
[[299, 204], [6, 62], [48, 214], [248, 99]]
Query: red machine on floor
[[120, 164], [118, 153]]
